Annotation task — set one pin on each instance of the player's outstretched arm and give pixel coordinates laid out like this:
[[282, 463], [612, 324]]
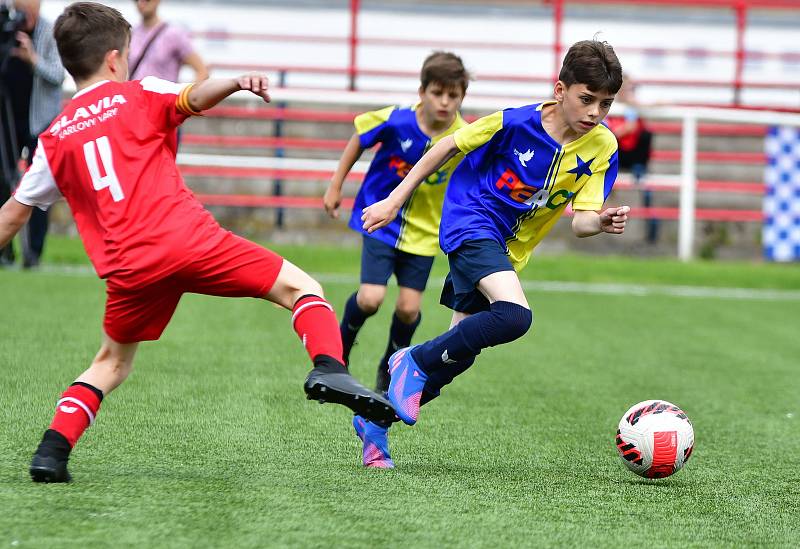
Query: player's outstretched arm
[[333, 194], [382, 213], [589, 223], [208, 93], [13, 216]]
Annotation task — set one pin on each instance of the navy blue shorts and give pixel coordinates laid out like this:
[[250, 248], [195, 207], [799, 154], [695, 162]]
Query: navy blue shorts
[[469, 263], [380, 260]]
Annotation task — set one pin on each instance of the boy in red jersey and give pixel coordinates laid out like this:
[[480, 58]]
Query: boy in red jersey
[[111, 155]]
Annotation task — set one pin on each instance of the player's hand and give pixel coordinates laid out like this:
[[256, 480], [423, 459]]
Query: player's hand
[[332, 200], [612, 220], [256, 83], [25, 50], [378, 215]]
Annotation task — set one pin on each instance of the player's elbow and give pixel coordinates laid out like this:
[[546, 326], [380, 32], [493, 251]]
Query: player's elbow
[[448, 146]]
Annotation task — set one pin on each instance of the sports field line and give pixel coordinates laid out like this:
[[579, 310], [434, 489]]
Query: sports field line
[[547, 286], [555, 286]]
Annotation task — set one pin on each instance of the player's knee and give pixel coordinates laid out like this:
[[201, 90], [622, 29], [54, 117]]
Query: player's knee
[[308, 286], [369, 302], [515, 319], [407, 312]]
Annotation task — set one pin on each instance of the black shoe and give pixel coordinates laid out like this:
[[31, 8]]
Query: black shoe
[[30, 261], [7, 255], [342, 388], [382, 378], [49, 469]]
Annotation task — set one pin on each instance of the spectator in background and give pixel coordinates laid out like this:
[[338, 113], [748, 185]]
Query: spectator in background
[[30, 83], [160, 49], [635, 144]]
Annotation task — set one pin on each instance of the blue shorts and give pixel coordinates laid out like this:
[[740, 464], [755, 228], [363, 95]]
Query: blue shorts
[[469, 263], [379, 260]]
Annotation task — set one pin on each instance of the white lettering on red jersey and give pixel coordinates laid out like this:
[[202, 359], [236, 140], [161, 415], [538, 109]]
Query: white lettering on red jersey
[[111, 155]]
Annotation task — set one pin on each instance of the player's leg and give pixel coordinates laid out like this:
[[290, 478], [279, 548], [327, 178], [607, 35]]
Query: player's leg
[[503, 316], [444, 376], [77, 409], [375, 435], [314, 321], [240, 268], [405, 320], [111, 366], [507, 318], [359, 307], [377, 264], [131, 316], [412, 272]]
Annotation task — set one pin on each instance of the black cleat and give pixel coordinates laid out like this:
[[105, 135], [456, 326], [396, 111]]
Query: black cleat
[[49, 469], [342, 388]]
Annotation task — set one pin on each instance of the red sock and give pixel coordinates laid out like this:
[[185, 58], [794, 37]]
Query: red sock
[[75, 411], [315, 322]]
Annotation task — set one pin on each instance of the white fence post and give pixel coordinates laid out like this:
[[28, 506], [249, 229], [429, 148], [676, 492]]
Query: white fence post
[[688, 187]]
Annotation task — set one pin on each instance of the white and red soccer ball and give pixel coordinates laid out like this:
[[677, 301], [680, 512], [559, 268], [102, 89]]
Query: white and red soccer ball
[[655, 438]]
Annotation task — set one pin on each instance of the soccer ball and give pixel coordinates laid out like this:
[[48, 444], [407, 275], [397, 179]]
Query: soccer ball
[[655, 438]]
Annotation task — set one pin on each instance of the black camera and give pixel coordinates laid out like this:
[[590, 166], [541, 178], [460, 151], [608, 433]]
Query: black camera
[[11, 21]]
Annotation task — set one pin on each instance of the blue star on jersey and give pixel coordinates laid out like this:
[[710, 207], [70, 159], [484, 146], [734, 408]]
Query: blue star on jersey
[[582, 168]]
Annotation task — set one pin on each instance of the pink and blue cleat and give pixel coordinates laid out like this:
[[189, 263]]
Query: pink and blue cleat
[[375, 452], [405, 387]]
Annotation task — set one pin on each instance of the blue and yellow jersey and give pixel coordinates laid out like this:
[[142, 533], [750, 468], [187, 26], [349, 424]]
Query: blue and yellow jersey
[[416, 228], [515, 180]]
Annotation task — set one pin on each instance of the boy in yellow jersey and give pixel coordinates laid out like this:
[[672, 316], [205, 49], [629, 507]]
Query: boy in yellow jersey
[[521, 168], [407, 245]]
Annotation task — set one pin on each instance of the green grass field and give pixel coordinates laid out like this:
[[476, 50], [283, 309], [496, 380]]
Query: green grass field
[[211, 443]]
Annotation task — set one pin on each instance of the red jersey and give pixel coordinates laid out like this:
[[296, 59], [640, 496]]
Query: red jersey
[[111, 155]]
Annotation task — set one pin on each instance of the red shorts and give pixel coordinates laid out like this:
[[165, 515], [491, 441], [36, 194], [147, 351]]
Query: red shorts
[[235, 268]]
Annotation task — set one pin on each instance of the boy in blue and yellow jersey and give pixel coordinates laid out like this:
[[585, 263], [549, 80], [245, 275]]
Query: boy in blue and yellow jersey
[[406, 246], [521, 169]]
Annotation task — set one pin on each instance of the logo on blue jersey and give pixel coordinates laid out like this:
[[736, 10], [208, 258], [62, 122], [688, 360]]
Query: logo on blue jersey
[[405, 145], [401, 168], [531, 196], [524, 157], [437, 178]]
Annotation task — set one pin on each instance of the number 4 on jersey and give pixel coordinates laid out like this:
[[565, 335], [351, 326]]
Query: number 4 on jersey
[[99, 181]]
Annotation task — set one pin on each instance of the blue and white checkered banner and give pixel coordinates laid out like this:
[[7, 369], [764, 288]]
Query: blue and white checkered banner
[[781, 233]]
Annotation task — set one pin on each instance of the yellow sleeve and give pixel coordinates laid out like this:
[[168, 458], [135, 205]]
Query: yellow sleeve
[[593, 193], [590, 196], [479, 132], [368, 121]]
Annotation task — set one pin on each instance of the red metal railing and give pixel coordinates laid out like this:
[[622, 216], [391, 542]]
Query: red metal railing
[[332, 116], [303, 143], [354, 41]]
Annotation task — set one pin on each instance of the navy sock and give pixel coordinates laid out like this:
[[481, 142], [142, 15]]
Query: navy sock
[[502, 323], [441, 377], [352, 321], [400, 335]]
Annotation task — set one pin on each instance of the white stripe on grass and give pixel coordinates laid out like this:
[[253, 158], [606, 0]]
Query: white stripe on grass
[[618, 289], [548, 286]]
